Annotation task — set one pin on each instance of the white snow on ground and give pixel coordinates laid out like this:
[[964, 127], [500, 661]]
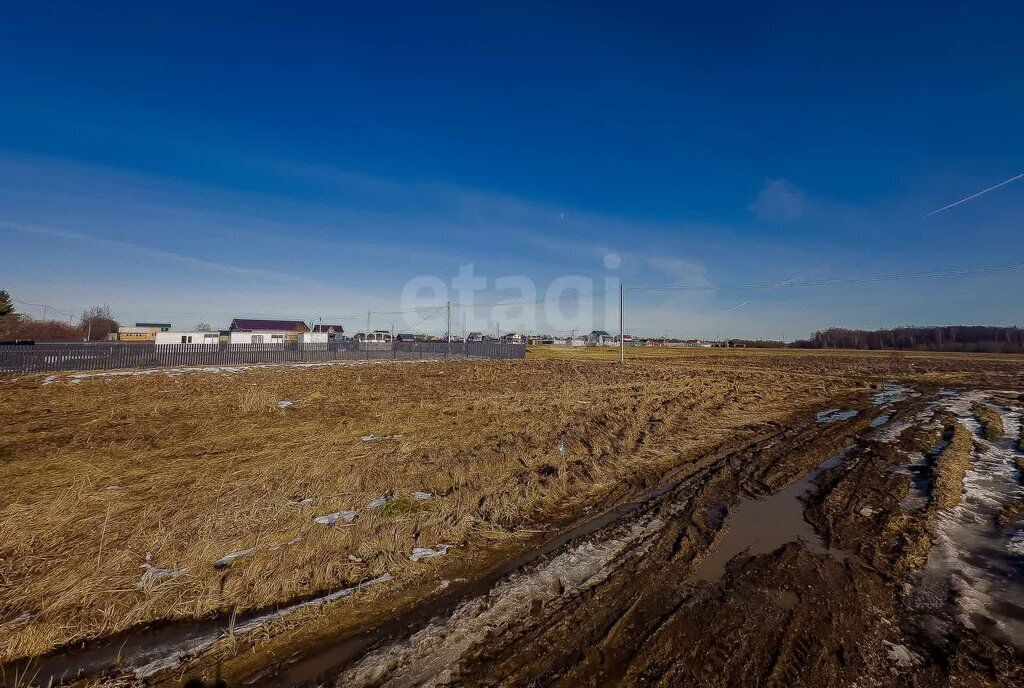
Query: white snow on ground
[[969, 576], [331, 519], [834, 415], [428, 656], [176, 654], [891, 393], [154, 575], [76, 378], [228, 558], [429, 552], [892, 432]]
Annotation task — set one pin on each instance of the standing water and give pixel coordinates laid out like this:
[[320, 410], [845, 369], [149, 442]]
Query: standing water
[[762, 525]]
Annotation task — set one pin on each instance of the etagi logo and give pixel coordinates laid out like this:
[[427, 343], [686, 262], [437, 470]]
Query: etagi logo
[[566, 304]]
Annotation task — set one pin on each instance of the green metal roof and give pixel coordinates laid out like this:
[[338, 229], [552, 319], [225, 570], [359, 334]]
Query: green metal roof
[[165, 326]]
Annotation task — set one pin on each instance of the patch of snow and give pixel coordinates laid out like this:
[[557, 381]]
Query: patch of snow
[[834, 415], [428, 552], [152, 575], [1016, 544], [176, 654], [177, 372], [881, 420], [285, 403], [893, 432], [226, 560], [306, 501], [891, 393], [331, 519], [867, 512], [378, 438], [380, 501], [901, 655], [423, 496]]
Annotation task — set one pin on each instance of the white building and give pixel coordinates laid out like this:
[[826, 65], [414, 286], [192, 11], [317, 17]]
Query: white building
[[313, 340], [179, 338], [253, 331]]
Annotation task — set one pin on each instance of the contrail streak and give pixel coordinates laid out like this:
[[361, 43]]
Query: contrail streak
[[737, 307], [983, 191]]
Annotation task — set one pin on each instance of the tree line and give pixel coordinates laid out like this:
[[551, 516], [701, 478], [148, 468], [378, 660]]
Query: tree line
[[968, 338], [95, 324]]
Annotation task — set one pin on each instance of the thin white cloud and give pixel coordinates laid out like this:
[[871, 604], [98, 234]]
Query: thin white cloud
[[170, 256], [779, 201]]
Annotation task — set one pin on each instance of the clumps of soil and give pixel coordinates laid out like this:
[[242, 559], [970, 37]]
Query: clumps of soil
[[1008, 514], [991, 421], [950, 468]]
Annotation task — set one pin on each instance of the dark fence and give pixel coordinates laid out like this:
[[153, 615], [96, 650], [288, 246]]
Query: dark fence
[[59, 356]]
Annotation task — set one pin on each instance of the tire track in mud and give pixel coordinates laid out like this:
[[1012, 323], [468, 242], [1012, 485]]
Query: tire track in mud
[[610, 617], [789, 617]]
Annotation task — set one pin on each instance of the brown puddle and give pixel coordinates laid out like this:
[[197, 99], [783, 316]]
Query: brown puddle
[[762, 525]]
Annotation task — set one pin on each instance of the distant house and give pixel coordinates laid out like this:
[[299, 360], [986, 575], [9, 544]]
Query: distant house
[[193, 338], [142, 332], [406, 337], [333, 331], [375, 337], [251, 331], [600, 338], [512, 338], [691, 344], [475, 337], [313, 340]]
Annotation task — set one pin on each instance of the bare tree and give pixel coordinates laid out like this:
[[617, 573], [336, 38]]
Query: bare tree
[[98, 323], [203, 327]]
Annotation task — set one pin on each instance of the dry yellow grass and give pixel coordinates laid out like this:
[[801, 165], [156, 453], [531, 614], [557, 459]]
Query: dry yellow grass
[[951, 466], [990, 420], [95, 476]]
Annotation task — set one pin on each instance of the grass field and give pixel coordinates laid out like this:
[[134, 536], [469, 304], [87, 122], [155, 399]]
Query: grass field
[[118, 494]]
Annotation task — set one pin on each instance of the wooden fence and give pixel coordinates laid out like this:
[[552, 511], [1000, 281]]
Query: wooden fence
[[63, 356]]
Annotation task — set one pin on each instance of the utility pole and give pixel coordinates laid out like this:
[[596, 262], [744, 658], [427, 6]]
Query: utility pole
[[622, 343], [367, 324], [448, 336]]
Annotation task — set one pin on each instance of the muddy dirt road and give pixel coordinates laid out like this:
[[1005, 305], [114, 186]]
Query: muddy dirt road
[[878, 543], [804, 560]]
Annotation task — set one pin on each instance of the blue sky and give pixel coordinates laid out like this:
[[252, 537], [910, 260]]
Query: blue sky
[[195, 163]]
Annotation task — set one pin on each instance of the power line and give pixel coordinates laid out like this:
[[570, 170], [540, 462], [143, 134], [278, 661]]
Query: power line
[[432, 314], [44, 306]]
